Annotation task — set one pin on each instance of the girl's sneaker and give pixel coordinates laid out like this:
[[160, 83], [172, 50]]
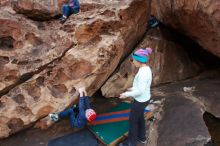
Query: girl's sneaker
[[141, 141], [54, 117], [63, 19]]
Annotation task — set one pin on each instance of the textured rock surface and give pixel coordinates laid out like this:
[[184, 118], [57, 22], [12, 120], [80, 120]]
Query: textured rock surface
[[169, 63], [56, 59], [26, 46], [213, 125], [5, 3], [198, 19], [38, 10], [210, 98], [179, 121]]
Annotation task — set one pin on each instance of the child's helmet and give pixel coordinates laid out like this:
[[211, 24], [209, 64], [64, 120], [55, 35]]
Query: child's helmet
[[90, 115]]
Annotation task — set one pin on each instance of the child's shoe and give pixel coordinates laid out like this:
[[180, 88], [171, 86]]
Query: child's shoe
[[54, 117], [63, 19]]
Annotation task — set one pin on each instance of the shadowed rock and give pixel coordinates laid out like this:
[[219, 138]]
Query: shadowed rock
[[198, 19], [213, 125], [165, 51]]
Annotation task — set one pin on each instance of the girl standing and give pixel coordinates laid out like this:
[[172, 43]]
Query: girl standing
[[140, 92]]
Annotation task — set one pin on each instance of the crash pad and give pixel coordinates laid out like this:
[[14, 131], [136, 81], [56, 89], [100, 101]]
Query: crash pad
[[112, 126], [81, 138]]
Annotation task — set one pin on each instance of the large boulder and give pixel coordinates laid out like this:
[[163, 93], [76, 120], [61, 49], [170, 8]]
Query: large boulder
[[183, 115], [38, 10], [169, 62], [4, 3], [210, 98], [43, 63], [179, 120], [198, 19], [27, 47]]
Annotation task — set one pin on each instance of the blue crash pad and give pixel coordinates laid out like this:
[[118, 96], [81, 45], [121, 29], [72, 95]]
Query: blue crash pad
[[80, 138]]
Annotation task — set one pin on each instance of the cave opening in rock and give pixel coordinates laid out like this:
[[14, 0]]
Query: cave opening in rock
[[204, 59], [6, 43], [101, 103]]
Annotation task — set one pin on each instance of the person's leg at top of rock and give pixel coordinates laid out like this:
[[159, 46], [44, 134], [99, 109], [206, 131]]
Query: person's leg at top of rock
[[72, 7], [152, 22]]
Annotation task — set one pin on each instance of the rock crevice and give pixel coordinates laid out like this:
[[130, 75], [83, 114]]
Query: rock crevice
[[25, 77]]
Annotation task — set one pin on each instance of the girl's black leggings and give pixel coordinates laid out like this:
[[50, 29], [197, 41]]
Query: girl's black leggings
[[137, 130]]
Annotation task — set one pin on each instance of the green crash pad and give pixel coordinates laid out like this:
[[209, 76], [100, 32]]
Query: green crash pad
[[113, 132]]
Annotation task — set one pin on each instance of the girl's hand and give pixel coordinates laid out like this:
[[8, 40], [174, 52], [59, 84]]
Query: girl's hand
[[122, 96]]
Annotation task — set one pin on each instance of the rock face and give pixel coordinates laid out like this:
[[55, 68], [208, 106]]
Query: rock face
[[42, 63], [198, 19], [4, 3], [27, 46], [213, 125], [165, 52], [210, 98], [38, 10], [179, 121]]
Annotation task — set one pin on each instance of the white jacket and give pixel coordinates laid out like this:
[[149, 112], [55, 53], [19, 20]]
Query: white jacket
[[140, 90]]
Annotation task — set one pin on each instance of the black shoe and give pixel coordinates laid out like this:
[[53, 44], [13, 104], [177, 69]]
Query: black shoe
[[141, 140], [63, 19], [153, 22]]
